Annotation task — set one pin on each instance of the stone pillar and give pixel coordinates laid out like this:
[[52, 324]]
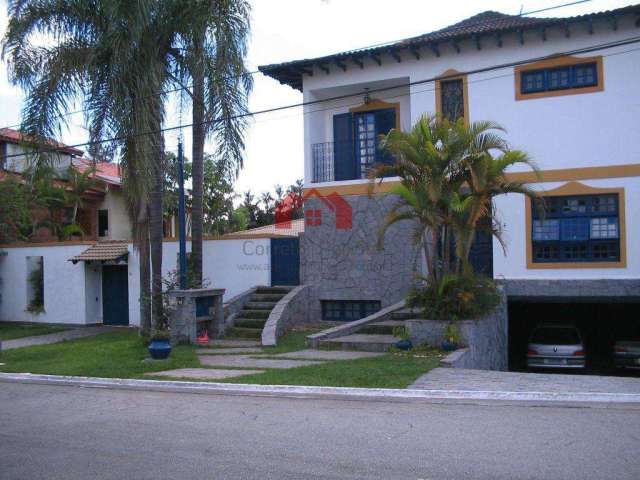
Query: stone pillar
[[193, 310]]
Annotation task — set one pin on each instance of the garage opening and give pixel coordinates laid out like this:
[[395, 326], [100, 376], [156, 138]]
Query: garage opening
[[600, 325]]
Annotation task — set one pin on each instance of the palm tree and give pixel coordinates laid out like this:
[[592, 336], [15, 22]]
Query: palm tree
[[210, 53], [448, 178], [105, 54]]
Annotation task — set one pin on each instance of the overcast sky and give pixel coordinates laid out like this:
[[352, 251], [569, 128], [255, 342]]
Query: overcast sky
[[284, 30]]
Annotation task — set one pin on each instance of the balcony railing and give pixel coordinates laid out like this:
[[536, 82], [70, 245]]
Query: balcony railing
[[329, 156]]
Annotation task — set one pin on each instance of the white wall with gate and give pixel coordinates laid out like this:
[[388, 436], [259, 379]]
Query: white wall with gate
[[73, 293]]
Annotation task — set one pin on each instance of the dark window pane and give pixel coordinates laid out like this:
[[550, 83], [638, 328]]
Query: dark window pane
[[348, 310], [103, 223], [546, 230], [533, 82], [559, 78], [604, 203], [452, 99], [574, 229], [585, 75]]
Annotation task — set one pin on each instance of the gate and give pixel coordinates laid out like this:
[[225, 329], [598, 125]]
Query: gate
[[285, 261]]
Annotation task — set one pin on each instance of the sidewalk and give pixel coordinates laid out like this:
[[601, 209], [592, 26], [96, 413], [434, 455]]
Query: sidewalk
[[558, 399], [55, 337], [517, 382]]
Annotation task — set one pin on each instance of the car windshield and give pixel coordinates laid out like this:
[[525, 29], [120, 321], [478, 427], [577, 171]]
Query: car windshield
[[555, 336]]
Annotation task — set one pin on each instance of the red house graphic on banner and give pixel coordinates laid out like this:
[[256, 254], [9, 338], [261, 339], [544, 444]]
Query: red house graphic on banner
[[334, 202]]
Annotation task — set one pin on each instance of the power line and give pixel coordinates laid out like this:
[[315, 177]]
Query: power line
[[254, 72], [591, 48]]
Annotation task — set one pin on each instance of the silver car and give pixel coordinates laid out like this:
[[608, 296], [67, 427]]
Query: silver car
[[555, 346], [626, 353]]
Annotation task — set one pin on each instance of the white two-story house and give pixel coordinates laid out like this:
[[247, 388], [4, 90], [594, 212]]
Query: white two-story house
[[567, 91]]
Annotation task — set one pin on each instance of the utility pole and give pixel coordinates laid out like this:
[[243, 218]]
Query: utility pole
[[182, 230]]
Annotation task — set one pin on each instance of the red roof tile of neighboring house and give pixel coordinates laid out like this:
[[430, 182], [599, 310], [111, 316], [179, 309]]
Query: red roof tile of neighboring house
[[10, 135], [103, 251], [482, 24], [286, 229], [106, 171]]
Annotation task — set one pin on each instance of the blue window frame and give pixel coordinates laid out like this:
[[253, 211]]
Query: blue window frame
[[348, 310], [559, 78], [583, 228]]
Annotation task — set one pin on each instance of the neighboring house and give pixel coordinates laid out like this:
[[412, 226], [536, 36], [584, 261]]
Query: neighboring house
[[12, 142], [108, 218], [103, 215], [565, 89]]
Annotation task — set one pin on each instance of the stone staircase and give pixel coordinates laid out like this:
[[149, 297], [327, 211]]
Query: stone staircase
[[372, 337], [250, 321]]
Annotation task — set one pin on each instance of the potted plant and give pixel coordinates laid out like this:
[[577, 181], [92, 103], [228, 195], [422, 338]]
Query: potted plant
[[404, 343], [451, 340], [160, 345]]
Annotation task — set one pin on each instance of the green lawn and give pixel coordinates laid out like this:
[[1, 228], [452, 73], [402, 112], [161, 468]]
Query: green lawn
[[388, 371], [12, 330], [122, 354], [113, 355]]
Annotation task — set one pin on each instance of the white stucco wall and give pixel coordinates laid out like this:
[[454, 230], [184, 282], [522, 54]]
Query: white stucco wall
[[73, 293], [119, 222], [64, 291]]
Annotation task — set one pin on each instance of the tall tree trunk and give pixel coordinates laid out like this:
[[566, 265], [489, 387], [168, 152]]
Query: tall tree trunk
[[142, 234], [156, 234], [428, 255], [197, 171]]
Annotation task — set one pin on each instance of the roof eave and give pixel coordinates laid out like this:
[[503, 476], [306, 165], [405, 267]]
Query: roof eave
[[284, 71]]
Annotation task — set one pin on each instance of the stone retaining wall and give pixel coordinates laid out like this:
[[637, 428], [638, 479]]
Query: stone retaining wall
[[291, 310], [346, 264], [486, 338]]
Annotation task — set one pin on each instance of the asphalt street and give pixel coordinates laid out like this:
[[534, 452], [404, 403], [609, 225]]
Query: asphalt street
[[57, 432]]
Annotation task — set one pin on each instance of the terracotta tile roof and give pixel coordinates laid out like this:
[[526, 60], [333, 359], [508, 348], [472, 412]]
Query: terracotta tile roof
[[294, 229], [108, 172], [485, 23], [102, 251], [10, 135]]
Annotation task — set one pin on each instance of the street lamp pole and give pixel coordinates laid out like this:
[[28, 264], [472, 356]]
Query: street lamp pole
[[182, 230]]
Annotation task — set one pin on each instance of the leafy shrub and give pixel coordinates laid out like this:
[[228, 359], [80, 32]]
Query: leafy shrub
[[455, 297], [36, 280]]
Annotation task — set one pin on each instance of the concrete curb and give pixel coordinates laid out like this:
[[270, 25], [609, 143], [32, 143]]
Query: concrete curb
[[336, 393]]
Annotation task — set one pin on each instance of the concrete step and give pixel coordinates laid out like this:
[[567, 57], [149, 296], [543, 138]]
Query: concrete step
[[275, 289], [249, 323], [239, 332], [405, 314], [245, 313], [225, 343], [384, 327], [362, 342], [266, 297], [260, 305]]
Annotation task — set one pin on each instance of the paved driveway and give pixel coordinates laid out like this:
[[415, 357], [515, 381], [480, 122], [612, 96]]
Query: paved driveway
[[488, 381]]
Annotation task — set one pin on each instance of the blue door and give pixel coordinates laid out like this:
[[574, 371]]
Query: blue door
[[115, 295], [285, 261]]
